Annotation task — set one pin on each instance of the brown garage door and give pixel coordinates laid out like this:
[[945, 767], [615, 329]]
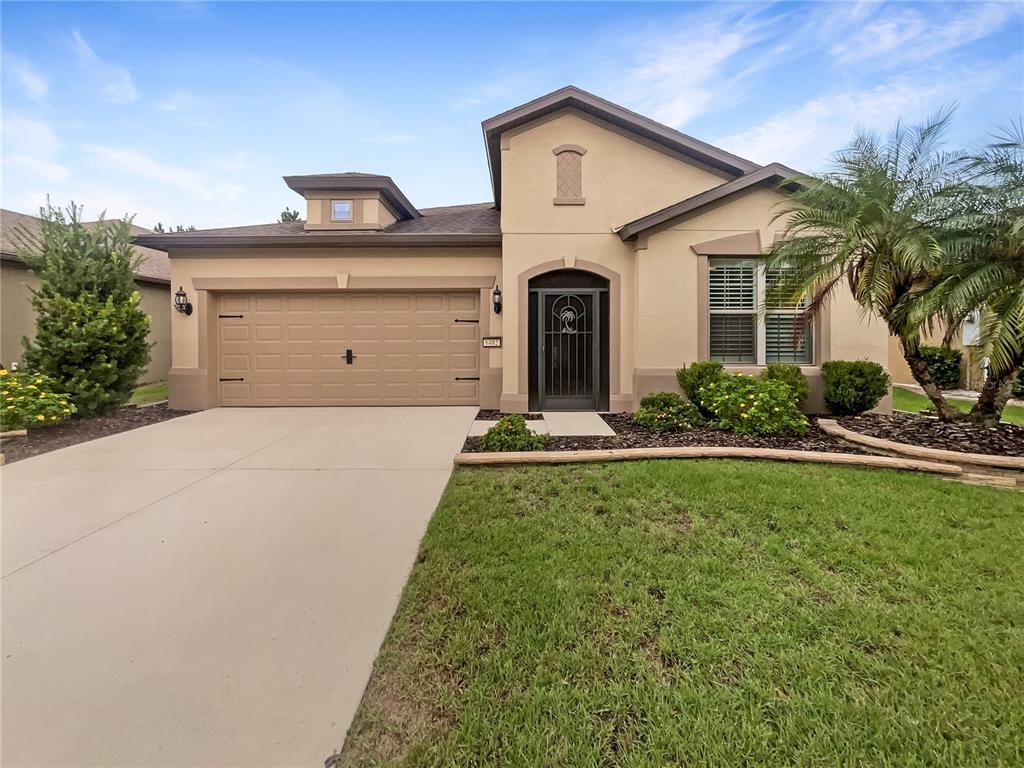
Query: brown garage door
[[290, 348]]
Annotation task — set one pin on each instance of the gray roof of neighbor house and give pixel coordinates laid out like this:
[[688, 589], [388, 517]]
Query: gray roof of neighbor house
[[476, 224], [154, 268], [772, 174], [576, 98], [353, 181]]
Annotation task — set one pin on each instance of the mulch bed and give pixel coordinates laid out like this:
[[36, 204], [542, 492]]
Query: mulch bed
[[82, 430], [629, 435], [489, 414], [1004, 440]]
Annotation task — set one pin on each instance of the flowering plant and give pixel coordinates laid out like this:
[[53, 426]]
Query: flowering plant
[[30, 399], [753, 406], [666, 412]]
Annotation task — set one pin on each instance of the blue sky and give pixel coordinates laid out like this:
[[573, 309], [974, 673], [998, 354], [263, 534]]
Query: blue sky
[[190, 113]]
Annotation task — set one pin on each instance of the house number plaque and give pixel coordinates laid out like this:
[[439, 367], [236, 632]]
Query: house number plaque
[[492, 341]]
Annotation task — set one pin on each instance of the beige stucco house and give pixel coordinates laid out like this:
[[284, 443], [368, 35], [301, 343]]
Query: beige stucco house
[[18, 319], [615, 251]]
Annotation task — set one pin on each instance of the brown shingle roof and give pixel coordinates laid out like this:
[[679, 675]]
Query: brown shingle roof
[[155, 266], [473, 224]]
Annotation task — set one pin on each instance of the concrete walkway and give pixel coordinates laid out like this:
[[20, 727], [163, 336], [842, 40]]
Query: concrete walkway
[[557, 423], [211, 590]]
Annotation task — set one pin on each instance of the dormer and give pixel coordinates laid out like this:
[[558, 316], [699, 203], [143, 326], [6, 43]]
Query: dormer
[[357, 201]]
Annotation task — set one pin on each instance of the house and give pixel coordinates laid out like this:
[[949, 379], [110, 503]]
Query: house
[[616, 250], [18, 319]]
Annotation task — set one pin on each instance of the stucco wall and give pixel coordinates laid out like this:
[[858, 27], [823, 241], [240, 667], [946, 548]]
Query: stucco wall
[[17, 319]]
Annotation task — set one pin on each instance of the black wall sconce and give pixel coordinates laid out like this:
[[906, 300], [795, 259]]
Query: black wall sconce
[[496, 300], [181, 302]]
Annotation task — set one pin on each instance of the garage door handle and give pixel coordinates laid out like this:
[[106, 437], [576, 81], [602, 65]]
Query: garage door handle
[[467, 378], [230, 379], [457, 320], [238, 316], [349, 357]]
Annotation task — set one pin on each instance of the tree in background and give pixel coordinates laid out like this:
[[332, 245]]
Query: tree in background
[[870, 222], [159, 228], [90, 332], [288, 215]]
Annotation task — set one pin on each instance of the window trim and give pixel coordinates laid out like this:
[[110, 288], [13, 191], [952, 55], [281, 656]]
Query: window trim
[[351, 211], [759, 311]]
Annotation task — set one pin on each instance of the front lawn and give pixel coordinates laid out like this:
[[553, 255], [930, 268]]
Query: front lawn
[[150, 393], [905, 400], [705, 613]]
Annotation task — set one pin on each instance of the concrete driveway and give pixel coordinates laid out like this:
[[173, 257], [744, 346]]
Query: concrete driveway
[[211, 590]]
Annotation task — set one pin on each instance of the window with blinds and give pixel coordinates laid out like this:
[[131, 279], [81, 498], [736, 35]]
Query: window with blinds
[[741, 334], [732, 301]]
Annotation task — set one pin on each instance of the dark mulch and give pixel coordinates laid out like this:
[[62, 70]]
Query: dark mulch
[[1004, 440], [77, 431], [629, 435], [489, 414]]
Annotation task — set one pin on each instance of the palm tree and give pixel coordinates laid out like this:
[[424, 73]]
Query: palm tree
[[983, 239], [869, 222]]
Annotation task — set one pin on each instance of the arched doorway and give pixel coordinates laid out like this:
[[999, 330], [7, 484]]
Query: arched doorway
[[568, 337]]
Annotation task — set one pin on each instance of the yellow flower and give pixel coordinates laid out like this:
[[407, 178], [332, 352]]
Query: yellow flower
[[744, 415], [67, 410], [775, 409], [3, 371], [40, 417], [53, 418], [10, 407]]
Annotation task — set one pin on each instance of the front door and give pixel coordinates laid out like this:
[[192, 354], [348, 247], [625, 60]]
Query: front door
[[569, 349]]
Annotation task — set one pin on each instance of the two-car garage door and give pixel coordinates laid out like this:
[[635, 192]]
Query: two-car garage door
[[349, 348]]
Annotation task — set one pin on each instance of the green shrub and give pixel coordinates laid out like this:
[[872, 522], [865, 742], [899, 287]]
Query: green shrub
[[512, 434], [1018, 386], [91, 334], [791, 376], [692, 378], [853, 386], [753, 406], [31, 400], [666, 411], [943, 364]]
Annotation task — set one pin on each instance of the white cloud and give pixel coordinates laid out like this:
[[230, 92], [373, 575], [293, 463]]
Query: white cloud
[[31, 147], [34, 83], [114, 82], [910, 36], [805, 137], [176, 102], [393, 138], [140, 165]]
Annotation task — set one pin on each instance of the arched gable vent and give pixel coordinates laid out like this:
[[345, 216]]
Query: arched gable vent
[[569, 174]]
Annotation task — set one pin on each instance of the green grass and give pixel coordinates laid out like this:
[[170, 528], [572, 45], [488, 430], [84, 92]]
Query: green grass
[[710, 613], [906, 400], [150, 393]]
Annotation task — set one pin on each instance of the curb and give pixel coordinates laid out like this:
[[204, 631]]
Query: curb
[[771, 454], [979, 460]]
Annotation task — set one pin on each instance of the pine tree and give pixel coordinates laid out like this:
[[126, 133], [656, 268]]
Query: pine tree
[[288, 215], [91, 335]]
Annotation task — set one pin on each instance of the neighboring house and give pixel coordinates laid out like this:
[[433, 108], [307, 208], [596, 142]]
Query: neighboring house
[[622, 250], [18, 319]]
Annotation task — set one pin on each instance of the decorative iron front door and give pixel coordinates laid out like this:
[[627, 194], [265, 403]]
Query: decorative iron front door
[[568, 348]]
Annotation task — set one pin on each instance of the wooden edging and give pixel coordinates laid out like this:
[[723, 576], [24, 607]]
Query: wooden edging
[[831, 427], [702, 452]]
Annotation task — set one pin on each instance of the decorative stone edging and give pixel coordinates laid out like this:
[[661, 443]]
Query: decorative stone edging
[[13, 433], [973, 460], [709, 452]]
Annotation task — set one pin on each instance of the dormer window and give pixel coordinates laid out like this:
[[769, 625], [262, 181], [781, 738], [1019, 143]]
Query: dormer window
[[569, 174], [341, 210]]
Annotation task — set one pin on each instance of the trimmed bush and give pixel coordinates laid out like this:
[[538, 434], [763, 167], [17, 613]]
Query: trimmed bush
[[694, 377], [853, 386], [666, 412], [512, 434], [943, 364], [31, 400], [791, 376], [753, 406], [90, 330]]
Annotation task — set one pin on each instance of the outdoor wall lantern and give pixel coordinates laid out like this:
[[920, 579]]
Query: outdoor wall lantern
[[181, 302], [496, 299]]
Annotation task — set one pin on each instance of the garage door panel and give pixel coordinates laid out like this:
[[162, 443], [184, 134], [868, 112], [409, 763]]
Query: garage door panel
[[408, 348]]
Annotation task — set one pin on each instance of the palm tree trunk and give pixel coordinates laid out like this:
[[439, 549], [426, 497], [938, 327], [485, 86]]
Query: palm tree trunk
[[994, 394], [919, 370]]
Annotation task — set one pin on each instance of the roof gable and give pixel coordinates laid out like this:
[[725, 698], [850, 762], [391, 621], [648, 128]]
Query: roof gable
[[571, 97]]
